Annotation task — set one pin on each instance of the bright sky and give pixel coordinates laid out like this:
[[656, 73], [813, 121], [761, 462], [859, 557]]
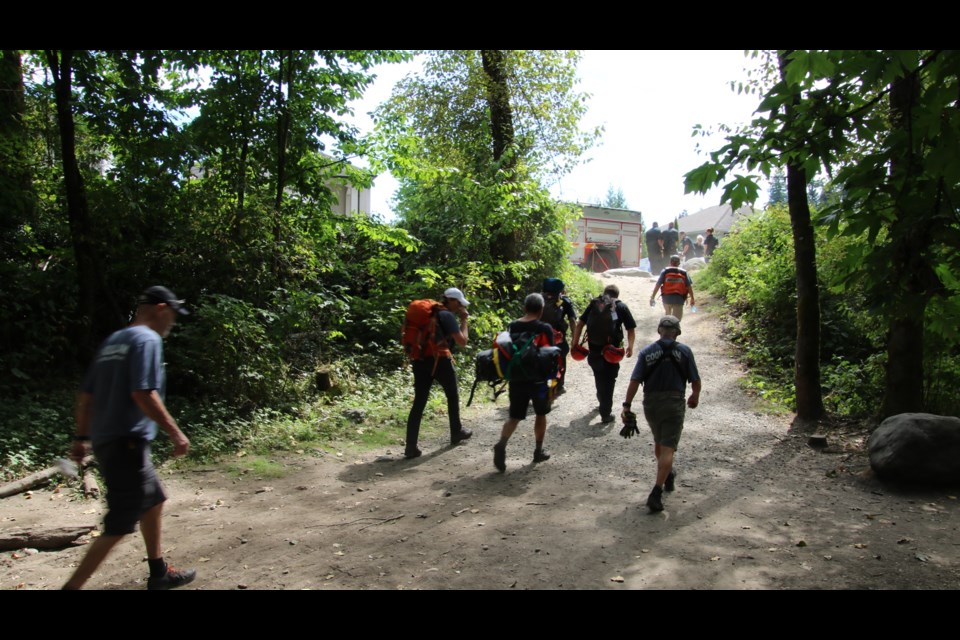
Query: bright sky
[[648, 103]]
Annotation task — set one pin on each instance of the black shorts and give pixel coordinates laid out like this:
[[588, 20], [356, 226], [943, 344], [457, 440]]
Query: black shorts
[[132, 484], [522, 393]]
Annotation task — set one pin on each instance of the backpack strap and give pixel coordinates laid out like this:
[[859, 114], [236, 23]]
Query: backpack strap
[[667, 354]]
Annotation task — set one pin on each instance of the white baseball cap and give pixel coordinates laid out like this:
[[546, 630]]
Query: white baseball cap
[[455, 294]]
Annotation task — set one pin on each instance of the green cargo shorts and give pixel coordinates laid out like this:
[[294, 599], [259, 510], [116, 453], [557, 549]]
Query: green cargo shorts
[[664, 411]]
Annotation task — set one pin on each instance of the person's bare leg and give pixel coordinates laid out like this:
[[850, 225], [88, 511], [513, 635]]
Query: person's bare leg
[[664, 464], [500, 449], [150, 530], [508, 428], [540, 430], [96, 554]]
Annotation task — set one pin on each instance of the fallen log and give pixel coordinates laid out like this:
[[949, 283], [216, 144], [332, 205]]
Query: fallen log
[[90, 487], [46, 538], [35, 479]]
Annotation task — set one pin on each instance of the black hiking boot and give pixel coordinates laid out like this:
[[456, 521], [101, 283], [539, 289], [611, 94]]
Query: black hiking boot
[[460, 437], [540, 455], [500, 457], [671, 478], [654, 502], [410, 454]]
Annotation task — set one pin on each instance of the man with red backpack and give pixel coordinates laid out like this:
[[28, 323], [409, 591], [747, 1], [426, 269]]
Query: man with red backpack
[[431, 332], [604, 320], [675, 287]]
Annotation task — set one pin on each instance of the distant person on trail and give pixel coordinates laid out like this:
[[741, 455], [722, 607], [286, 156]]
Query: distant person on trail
[[523, 392], [671, 238], [604, 321], [654, 248], [119, 410], [687, 250], [710, 244], [559, 313], [663, 369], [698, 247], [675, 286], [434, 361]]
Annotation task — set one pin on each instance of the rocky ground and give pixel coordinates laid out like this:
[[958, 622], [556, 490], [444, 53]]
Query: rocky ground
[[755, 507]]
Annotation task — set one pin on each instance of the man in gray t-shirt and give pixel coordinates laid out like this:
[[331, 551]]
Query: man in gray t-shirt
[[119, 409], [663, 368]]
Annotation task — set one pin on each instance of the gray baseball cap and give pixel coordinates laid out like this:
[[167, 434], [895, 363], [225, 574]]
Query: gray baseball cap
[[669, 322]]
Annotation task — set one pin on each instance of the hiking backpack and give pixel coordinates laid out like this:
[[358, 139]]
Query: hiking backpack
[[553, 313], [420, 336], [525, 357], [674, 282], [486, 371], [601, 327]]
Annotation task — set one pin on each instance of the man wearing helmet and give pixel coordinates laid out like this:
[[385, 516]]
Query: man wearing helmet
[[558, 312], [605, 318], [663, 368]]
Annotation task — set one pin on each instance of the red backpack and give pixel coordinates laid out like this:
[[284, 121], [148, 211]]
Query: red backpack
[[419, 335]]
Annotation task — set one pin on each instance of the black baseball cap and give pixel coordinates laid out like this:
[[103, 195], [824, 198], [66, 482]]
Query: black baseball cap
[[158, 294]]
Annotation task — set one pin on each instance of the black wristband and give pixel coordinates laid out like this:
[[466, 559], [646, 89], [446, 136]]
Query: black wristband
[[627, 404], [81, 438]]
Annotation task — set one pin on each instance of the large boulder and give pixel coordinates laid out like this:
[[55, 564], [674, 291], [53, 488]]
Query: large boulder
[[628, 271], [917, 447], [694, 264]]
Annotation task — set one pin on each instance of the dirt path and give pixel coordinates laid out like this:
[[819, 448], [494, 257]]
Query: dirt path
[[755, 508]]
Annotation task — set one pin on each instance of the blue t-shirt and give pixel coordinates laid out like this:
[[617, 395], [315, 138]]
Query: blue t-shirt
[[666, 376], [129, 360]]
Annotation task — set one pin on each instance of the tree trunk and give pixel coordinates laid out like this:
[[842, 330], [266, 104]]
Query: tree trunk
[[498, 99], [905, 371], [807, 372], [94, 324], [46, 538], [16, 185]]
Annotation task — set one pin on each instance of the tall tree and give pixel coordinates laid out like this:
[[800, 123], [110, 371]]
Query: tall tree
[[95, 301], [472, 140], [778, 188], [614, 198], [885, 125], [807, 360]]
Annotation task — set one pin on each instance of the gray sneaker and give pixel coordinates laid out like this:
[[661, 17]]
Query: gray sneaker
[[172, 579]]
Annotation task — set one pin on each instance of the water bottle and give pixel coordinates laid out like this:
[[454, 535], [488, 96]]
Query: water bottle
[[693, 309], [653, 303]]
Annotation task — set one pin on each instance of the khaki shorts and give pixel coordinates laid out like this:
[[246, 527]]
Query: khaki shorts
[[664, 411]]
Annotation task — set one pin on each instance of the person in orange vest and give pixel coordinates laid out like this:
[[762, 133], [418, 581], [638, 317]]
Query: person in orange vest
[[675, 286]]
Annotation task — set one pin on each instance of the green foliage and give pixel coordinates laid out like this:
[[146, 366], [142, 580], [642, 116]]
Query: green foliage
[[885, 126], [753, 272], [462, 201], [211, 171], [247, 368], [37, 428]]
